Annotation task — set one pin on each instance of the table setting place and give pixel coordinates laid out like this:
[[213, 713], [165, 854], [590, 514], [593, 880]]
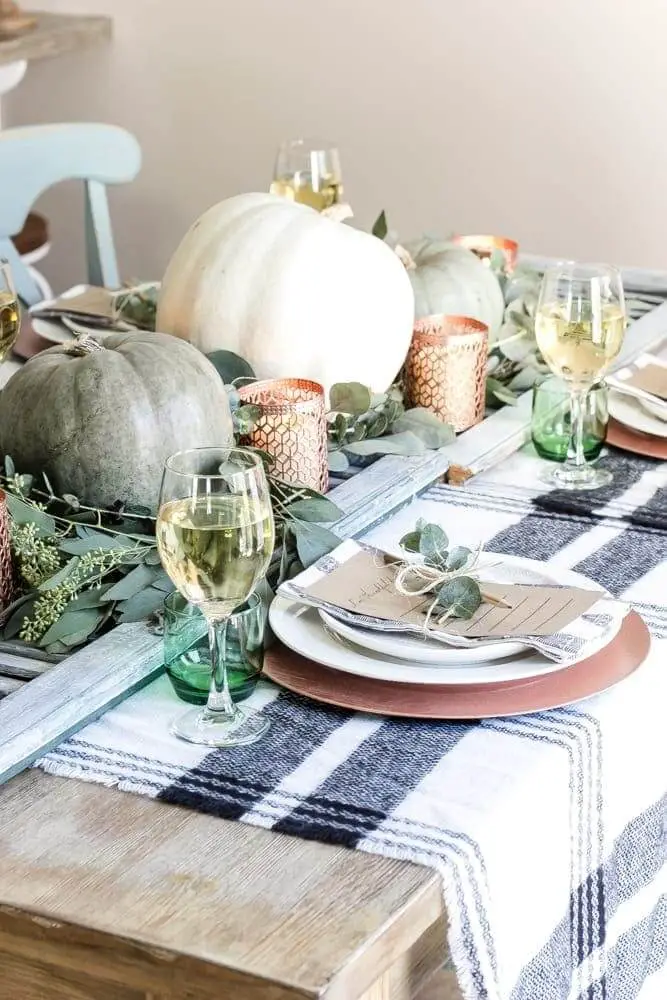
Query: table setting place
[[383, 567]]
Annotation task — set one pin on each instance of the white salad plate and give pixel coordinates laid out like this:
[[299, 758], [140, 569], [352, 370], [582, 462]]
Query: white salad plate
[[633, 413], [300, 628]]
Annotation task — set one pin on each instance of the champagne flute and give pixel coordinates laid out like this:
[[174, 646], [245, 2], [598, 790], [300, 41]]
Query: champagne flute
[[10, 316], [308, 171], [215, 536], [579, 327]]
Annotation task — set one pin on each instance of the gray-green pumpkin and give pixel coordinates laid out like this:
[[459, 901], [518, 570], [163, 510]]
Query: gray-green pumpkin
[[101, 419]]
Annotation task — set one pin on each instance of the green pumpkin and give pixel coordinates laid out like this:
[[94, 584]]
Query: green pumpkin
[[101, 418]]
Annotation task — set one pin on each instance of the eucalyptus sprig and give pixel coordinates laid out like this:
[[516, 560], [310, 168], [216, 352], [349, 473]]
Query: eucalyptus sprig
[[441, 570], [363, 424]]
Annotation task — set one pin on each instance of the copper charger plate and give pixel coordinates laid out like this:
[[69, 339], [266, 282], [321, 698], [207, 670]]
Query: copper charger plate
[[627, 439], [617, 660]]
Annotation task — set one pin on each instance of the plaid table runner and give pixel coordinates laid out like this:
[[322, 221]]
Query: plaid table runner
[[548, 830]]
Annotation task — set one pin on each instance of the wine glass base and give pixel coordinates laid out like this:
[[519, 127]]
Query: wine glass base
[[564, 477], [202, 727]]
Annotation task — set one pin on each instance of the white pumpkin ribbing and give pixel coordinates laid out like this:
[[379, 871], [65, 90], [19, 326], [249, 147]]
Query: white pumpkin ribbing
[[294, 293], [450, 279]]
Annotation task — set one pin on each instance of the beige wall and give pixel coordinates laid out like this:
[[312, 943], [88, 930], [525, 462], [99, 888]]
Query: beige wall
[[546, 121]]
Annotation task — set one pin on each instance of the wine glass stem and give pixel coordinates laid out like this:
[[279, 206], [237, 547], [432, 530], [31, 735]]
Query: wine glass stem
[[575, 451], [219, 701]]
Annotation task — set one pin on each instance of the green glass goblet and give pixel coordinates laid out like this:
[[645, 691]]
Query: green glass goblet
[[187, 656]]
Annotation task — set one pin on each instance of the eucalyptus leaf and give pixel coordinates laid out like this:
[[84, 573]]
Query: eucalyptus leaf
[[338, 461], [93, 542], [313, 541], [72, 623], [380, 227], [340, 426], [10, 468], [349, 397], [24, 513], [141, 605], [93, 597], [315, 509], [378, 399], [71, 500], [60, 576], [497, 390], [460, 597], [137, 579], [458, 557], [379, 426], [426, 425], [360, 431], [405, 443], [163, 582], [433, 544], [521, 320], [410, 542], [230, 366], [152, 558], [18, 611]]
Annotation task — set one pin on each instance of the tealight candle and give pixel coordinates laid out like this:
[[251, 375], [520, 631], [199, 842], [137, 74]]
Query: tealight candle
[[485, 246], [292, 429]]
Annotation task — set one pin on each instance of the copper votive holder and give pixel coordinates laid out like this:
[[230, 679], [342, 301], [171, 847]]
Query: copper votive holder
[[6, 564], [485, 246], [292, 429], [445, 370]]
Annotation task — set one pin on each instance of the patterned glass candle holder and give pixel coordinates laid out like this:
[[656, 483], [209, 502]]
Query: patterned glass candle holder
[[445, 370], [292, 429], [485, 246]]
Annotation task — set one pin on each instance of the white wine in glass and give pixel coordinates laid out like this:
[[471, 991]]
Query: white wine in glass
[[579, 327], [10, 315], [308, 171], [215, 536]]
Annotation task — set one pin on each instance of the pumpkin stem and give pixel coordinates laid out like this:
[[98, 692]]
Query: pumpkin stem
[[83, 345], [405, 258]]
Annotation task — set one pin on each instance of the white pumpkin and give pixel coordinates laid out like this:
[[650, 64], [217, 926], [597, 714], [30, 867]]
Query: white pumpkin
[[294, 293], [453, 280]]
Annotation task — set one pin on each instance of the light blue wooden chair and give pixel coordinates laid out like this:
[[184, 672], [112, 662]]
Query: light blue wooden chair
[[36, 157]]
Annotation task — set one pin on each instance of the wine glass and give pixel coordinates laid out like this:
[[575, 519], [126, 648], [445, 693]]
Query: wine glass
[[308, 171], [215, 536], [10, 316], [579, 327]]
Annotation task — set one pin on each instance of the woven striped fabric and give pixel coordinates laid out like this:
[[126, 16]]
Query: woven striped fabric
[[548, 830]]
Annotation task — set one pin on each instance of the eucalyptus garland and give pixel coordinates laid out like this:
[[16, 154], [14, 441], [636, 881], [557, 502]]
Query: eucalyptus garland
[[82, 569]]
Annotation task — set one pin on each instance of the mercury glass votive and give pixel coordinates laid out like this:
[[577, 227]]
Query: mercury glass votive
[[485, 246], [292, 429], [445, 370]]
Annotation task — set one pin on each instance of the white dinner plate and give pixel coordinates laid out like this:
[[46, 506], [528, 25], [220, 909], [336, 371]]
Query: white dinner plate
[[300, 627], [633, 414], [512, 569]]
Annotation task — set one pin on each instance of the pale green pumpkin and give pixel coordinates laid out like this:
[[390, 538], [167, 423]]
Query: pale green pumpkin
[[450, 279], [101, 422]]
